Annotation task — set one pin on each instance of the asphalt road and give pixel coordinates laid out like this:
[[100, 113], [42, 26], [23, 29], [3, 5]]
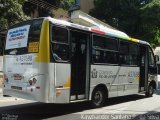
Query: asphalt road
[[127, 107]]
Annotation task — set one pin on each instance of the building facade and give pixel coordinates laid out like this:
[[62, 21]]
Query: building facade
[[84, 5]]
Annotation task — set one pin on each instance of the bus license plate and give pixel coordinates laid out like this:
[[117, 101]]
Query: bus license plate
[[17, 88]]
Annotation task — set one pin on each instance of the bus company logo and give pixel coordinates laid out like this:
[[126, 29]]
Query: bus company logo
[[94, 73], [133, 74]]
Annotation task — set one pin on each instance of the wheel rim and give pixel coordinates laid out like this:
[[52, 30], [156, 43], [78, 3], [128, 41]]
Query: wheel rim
[[98, 97]]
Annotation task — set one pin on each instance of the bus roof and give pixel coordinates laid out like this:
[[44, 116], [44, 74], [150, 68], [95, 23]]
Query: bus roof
[[107, 31]]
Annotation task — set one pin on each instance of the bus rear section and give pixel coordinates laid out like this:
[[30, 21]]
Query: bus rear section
[[22, 61]]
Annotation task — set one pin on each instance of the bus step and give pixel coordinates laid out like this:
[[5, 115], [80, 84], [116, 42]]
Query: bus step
[[142, 92], [73, 97], [72, 101]]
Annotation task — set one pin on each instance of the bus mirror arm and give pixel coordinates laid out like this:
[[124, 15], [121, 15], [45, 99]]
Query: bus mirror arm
[[156, 58]]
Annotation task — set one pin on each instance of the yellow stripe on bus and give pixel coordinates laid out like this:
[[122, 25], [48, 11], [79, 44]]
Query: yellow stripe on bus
[[44, 49], [133, 39], [68, 84]]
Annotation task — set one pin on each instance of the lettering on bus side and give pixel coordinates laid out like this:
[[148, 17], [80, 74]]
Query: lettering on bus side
[[102, 74], [94, 73]]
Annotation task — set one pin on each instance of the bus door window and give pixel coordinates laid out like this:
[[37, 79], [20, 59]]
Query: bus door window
[[152, 64], [59, 44], [151, 58]]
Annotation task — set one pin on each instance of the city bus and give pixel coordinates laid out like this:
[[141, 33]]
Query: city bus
[[55, 61]]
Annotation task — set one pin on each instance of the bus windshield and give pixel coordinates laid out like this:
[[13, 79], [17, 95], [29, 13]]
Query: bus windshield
[[23, 38]]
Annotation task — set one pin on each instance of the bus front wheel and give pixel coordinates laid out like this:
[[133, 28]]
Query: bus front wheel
[[98, 97], [150, 91]]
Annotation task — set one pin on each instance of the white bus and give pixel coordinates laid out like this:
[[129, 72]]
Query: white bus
[[55, 61]]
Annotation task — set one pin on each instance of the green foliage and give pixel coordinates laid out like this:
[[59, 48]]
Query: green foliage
[[138, 18], [29, 8], [66, 4], [151, 22], [11, 13]]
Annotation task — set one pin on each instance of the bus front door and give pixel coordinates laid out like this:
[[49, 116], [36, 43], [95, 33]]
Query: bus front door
[[143, 81], [79, 68]]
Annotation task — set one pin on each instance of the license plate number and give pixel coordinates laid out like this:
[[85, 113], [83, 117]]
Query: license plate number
[[17, 88]]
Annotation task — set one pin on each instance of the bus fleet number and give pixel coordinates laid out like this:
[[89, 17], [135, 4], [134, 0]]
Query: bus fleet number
[[24, 58]]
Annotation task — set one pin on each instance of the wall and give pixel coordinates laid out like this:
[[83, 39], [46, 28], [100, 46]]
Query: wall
[[86, 5]]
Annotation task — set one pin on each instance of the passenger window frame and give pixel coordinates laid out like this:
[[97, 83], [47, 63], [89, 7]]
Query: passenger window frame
[[154, 62], [52, 59], [128, 53], [104, 50]]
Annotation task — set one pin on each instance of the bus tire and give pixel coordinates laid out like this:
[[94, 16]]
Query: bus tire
[[98, 97], [150, 91]]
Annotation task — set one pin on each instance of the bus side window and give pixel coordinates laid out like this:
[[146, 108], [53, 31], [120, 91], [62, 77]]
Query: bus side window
[[124, 51], [105, 50], [59, 44], [129, 53], [134, 54]]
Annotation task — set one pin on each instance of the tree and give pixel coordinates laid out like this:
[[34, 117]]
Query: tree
[[66, 4], [11, 13], [30, 7], [151, 22], [138, 18]]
